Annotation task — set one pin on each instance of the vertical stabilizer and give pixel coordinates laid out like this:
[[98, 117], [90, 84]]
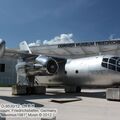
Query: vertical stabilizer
[[2, 47], [24, 47]]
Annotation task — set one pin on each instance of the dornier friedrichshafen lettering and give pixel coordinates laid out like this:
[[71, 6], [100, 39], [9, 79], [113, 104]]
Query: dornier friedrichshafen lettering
[[81, 49], [107, 42]]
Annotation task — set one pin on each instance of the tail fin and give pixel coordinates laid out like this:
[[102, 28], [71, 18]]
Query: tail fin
[[2, 48], [24, 47]]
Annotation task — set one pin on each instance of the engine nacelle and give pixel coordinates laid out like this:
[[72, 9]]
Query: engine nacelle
[[2, 47], [48, 63]]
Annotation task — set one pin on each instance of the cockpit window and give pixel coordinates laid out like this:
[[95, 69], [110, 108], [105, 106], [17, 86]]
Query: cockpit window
[[112, 61], [115, 58], [118, 62], [105, 59], [118, 69], [112, 67], [104, 65]]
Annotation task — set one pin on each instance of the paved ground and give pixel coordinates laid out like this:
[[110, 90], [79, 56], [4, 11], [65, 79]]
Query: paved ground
[[88, 105]]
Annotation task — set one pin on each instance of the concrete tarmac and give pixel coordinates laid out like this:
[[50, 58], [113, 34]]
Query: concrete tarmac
[[88, 105]]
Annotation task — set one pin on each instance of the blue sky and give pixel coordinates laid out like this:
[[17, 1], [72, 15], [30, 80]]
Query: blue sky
[[33, 20]]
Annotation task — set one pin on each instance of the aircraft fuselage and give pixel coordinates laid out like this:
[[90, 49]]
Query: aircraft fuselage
[[91, 71]]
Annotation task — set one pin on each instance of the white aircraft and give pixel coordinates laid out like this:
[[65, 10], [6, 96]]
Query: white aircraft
[[98, 65]]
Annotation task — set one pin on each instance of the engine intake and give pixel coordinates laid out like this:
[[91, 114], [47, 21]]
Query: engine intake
[[48, 63]]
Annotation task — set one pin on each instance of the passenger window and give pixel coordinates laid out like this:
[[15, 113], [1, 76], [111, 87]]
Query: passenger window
[[104, 65], [112, 67], [65, 72], [105, 59], [112, 61], [76, 71]]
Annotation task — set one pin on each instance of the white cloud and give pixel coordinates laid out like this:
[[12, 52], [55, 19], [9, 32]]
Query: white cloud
[[37, 43], [62, 39], [32, 44]]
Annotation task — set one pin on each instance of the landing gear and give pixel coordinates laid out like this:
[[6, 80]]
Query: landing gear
[[72, 89]]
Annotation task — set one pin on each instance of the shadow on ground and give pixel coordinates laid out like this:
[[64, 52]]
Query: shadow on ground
[[93, 94], [53, 96], [20, 100], [101, 95]]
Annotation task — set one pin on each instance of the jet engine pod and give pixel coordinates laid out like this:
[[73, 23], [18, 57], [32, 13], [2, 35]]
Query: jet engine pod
[[49, 63], [52, 66], [2, 48]]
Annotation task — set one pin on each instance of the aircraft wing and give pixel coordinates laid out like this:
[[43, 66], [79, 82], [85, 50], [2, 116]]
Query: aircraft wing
[[72, 50], [77, 50]]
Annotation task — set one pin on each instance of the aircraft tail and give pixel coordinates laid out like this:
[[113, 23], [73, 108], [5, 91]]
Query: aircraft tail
[[24, 47], [2, 48]]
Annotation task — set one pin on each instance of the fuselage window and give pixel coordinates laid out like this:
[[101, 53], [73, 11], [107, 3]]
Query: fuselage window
[[65, 72], [76, 71]]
